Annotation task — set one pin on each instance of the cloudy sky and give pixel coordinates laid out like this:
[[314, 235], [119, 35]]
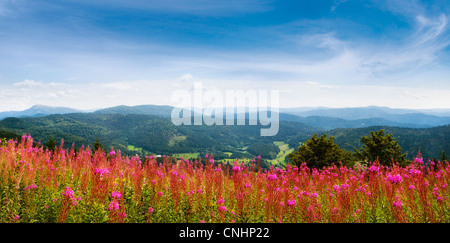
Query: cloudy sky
[[338, 53]]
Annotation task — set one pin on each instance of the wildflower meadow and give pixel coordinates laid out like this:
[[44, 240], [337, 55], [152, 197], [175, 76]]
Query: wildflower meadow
[[81, 186]]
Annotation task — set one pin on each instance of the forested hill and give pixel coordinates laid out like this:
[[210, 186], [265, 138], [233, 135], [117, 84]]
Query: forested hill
[[150, 133], [431, 141]]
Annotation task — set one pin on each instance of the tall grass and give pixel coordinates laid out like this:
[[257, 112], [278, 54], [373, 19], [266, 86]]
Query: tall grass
[[38, 185]]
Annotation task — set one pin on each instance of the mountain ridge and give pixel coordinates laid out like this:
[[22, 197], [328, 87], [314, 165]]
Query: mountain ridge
[[320, 117]]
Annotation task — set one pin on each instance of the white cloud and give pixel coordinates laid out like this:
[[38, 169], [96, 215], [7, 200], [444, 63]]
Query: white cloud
[[121, 86]]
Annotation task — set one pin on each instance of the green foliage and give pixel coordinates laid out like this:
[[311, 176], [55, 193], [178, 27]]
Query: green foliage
[[319, 152], [443, 157], [7, 135], [382, 146], [98, 145], [51, 145], [266, 150], [430, 141]]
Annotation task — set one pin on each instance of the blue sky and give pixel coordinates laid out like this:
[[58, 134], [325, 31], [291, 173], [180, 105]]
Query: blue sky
[[339, 53]]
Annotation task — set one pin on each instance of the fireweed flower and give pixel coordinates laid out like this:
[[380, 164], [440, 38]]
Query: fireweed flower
[[344, 186], [398, 204], [222, 209], [114, 205], [150, 210], [236, 168], [374, 169], [101, 171], [68, 193], [220, 201], [291, 203], [418, 160], [272, 177], [116, 195], [395, 179]]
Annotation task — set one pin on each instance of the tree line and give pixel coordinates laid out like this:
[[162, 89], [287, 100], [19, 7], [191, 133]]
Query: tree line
[[319, 152]]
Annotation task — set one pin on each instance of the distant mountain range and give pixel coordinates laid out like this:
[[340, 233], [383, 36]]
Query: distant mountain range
[[320, 117], [377, 116], [38, 110]]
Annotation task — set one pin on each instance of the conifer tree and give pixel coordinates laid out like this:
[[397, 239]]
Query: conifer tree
[[51, 145], [382, 146], [319, 152], [98, 145]]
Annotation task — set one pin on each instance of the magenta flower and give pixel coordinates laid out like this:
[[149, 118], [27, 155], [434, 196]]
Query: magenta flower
[[291, 203], [150, 210], [222, 209], [220, 201], [114, 205], [101, 171], [116, 195], [398, 204], [272, 177], [395, 179], [68, 193]]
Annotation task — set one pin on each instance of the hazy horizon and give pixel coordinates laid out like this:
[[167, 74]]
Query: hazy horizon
[[334, 53], [281, 108]]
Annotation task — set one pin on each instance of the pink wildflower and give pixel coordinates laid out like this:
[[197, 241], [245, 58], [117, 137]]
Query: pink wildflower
[[220, 201], [114, 205], [116, 195], [68, 193], [291, 203], [398, 204], [222, 208]]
